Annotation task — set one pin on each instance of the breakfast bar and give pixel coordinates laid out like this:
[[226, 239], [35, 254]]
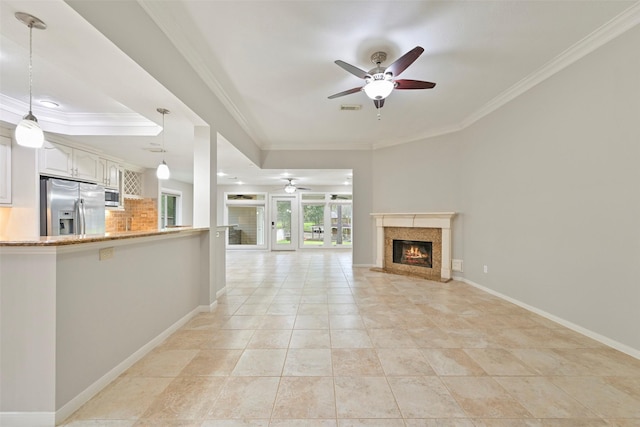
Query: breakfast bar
[[76, 311]]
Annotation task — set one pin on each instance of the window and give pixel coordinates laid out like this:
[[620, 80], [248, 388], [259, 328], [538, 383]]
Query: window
[[246, 214], [170, 208], [326, 220]]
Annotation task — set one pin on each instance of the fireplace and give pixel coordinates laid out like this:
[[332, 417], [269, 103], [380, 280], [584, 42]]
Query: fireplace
[[433, 228], [413, 252]]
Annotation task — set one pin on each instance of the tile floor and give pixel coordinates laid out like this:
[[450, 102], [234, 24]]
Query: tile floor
[[304, 339]]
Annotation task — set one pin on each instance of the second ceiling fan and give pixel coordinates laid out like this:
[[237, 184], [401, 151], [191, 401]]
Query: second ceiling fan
[[380, 81]]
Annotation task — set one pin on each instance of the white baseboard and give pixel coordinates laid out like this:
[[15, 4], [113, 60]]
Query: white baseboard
[[577, 328], [82, 398], [221, 292], [27, 419]]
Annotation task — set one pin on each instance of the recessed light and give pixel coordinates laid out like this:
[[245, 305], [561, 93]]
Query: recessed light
[[221, 174], [49, 104]]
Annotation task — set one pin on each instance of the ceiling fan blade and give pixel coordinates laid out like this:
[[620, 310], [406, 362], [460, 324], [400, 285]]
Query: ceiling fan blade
[[352, 69], [346, 92], [413, 84], [404, 61], [379, 103]]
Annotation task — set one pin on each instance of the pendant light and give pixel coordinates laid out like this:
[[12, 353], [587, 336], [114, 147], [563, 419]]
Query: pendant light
[[163, 170], [28, 132]]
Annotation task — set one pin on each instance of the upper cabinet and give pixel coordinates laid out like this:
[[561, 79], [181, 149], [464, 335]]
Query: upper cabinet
[[60, 160], [5, 170], [56, 160]]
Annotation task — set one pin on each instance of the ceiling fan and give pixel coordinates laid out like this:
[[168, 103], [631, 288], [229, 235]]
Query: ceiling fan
[[380, 81], [291, 188]]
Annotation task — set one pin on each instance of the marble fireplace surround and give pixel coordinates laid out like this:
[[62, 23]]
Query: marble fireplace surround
[[438, 220]]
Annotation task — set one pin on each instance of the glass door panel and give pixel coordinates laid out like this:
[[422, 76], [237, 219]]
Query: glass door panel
[[313, 225], [341, 224], [283, 224]]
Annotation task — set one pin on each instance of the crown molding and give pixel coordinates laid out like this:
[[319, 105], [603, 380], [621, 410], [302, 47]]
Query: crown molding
[[605, 33], [164, 19], [107, 124], [325, 147]]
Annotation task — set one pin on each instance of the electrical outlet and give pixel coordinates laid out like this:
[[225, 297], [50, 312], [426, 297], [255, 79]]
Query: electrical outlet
[[105, 253], [486, 269], [456, 265]]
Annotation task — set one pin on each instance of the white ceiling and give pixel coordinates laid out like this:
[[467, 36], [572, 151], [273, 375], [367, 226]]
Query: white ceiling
[[274, 61]]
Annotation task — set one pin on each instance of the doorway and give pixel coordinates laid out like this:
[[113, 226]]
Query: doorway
[[284, 223]]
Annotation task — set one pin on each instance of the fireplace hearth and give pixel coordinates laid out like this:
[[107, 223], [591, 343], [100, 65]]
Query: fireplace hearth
[[412, 252]]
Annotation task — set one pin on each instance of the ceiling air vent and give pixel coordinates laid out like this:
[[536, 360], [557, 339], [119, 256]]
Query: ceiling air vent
[[350, 107]]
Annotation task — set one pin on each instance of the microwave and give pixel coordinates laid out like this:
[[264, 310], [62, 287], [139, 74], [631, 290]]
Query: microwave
[[111, 198]]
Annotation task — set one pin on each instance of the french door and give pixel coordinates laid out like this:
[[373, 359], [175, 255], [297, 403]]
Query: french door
[[284, 223]]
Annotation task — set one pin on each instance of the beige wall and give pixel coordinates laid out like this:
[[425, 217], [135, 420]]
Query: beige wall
[[547, 187]]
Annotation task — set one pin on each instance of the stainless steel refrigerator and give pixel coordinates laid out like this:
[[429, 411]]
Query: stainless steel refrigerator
[[70, 207]]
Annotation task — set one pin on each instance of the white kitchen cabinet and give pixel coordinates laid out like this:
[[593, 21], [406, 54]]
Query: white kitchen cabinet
[[5, 170], [56, 160], [109, 173], [86, 166]]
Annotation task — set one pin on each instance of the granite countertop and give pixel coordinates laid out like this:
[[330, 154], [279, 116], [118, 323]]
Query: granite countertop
[[90, 238]]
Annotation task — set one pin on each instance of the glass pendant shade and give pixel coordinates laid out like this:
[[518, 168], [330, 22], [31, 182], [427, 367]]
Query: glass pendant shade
[[163, 171], [28, 132], [378, 89], [289, 188]]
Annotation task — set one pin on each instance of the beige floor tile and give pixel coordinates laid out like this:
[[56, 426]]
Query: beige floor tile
[[350, 338], [424, 397], [356, 362], [228, 339], [343, 309], [497, 361], [307, 308], [439, 422], [186, 398], [98, 423], [432, 337], [391, 338], [212, 363], [346, 321], [308, 362], [260, 363], [484, 397], [270, 338], [549, 362], [187, 339], [283, 309], [312, 321], [404, 362], [542, 398], [305, 397], [310, 338], [452, 361], [628, 385], [162, 363], [243, 322], [245, 397], [497, 422], [364, 397], [247, 309], [277, 322], [600, 397], [303, 423], [125, 398], [371, 422], [236, 423]]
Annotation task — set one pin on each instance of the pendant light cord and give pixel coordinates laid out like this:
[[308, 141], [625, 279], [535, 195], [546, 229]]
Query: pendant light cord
[[30, 64], [163, 113]]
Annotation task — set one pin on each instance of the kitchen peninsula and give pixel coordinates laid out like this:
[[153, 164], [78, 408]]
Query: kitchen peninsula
[[76, 311]]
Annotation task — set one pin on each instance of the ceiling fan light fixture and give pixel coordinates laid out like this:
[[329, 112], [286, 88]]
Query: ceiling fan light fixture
[[28, 132], [379, 89], [289, 188]]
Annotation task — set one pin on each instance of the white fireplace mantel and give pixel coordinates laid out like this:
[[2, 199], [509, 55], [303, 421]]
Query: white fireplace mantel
[[440, 220]]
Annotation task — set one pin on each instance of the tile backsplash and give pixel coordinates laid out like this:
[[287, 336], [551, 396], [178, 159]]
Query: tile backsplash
[[138, 215]]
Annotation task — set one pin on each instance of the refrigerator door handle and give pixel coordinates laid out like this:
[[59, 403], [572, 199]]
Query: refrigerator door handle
[[81, 229]]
